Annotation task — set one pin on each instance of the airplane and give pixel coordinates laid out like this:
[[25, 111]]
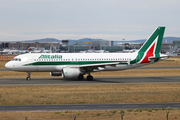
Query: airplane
[[76, 65], [36, 51], [23, 51], [11, 51], [130, 51], [47, 51]]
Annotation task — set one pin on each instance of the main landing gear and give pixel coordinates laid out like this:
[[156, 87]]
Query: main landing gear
[[28, 78], [89, 77]]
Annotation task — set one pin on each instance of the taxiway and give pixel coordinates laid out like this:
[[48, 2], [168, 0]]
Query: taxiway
[[96, 81], [86, 106]]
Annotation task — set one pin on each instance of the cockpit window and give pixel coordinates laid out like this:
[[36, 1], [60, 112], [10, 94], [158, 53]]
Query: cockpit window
[[16, 59]]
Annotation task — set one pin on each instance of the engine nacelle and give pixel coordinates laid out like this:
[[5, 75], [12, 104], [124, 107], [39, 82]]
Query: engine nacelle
[[55, 73], [71, 72]]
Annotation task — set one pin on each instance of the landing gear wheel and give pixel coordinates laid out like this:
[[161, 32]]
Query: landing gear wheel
[[89, 77], [81, 77], [28, 78]]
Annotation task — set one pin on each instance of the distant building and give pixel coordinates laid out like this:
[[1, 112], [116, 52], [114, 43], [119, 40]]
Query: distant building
[[35, 45], [94, 43], [130, 45], [4, 45], [166, 47], [65, 43], [176, 46], [1, 46], [89, 44]]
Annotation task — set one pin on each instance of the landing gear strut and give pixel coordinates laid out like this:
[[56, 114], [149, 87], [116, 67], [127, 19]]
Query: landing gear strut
[[28, 78], [81, 77], [89, 77]]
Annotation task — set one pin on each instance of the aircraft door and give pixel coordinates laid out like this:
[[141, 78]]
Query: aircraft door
[[30, 60], [30, 63], [74, 60]]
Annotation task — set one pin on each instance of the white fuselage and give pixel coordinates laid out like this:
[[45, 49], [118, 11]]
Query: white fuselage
[[31, 62]]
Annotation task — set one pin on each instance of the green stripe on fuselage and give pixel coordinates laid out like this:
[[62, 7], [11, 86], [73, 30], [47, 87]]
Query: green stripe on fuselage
[[72, 63]]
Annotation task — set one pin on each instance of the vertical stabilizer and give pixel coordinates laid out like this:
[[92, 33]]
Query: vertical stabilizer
[[152, 46], [156, 38]]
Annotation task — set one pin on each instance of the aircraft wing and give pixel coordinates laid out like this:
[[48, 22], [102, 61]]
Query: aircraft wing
[[100, 65], [95, 67]]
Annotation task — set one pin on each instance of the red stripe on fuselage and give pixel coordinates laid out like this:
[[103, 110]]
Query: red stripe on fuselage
[[148, 54]]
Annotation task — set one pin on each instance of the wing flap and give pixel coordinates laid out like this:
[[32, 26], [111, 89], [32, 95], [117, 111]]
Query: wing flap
[[100, 65]]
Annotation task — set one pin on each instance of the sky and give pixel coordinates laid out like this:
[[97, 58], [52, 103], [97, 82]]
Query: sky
[[77, 19]]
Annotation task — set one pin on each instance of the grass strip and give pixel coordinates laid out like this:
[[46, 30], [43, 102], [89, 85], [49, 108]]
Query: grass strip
[[89, 94], [124, 73]]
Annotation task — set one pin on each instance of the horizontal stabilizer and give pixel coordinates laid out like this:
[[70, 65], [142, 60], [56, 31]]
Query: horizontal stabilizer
[[156, 58]]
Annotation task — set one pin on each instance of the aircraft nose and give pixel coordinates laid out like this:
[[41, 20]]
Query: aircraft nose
[[8, 65]]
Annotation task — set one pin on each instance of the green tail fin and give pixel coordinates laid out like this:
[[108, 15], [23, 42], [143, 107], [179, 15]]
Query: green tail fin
[[151, 48], [156, 39]]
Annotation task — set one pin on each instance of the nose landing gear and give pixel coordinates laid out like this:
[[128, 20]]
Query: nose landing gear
[[28, 78]]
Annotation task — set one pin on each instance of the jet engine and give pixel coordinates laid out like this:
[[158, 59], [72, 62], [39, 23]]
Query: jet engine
[[70, 72], [55, 73]]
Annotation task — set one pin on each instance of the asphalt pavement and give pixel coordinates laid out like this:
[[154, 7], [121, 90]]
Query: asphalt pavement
[[86, 106], [96, 81]]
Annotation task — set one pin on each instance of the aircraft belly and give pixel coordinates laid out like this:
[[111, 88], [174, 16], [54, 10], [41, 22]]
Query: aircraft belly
[[45, 68], [120, 67], [117, 67], [37, 69]]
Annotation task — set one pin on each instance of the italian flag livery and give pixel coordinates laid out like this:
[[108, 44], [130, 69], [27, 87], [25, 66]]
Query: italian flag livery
[[152, 47], [75, 65]]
